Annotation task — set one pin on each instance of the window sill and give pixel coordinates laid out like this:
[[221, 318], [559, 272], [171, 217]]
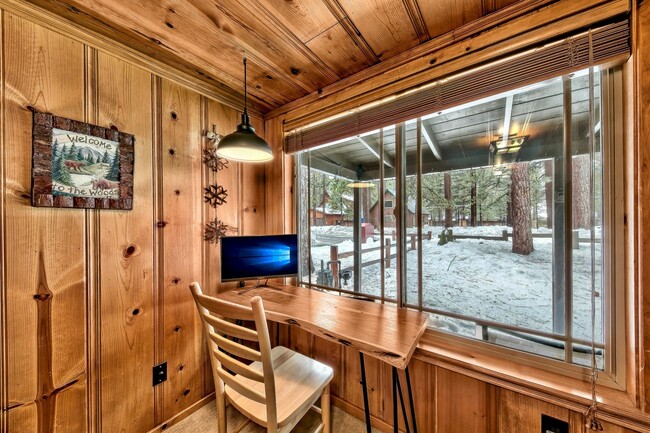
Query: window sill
[[615, 406]]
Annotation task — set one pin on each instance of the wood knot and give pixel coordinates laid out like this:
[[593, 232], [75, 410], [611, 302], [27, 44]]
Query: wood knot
[[168, 24], [42, 297], [163, 427], [177, 192], [295, 71], [135, 311], [320, 91], [174, 115], [177, 328], [181, 367], [176, 280], [467, 48], [161, 224], [155, 41], [433, 61], [128, 251], [269, 77], [186, 392], [172, 152]]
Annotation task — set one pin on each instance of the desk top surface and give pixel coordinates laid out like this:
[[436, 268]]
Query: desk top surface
[[382, 331]]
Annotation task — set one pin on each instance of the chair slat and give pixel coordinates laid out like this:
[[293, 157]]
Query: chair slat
[[235, 348], [237, 385], [239, 367], [225, 309], [231, 329]]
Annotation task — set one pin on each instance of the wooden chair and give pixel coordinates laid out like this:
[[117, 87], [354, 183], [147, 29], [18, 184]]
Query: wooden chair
[[278, 388]]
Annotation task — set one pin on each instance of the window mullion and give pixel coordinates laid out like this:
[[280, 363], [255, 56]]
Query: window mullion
[[568, 221], [418, 205]]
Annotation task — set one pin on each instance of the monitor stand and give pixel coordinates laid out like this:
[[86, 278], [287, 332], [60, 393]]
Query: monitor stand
[[258, 285]]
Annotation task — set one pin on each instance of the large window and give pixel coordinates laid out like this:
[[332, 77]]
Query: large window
[[496, 217]]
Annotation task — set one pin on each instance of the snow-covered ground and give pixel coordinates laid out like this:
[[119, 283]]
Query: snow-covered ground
[[477, 278]]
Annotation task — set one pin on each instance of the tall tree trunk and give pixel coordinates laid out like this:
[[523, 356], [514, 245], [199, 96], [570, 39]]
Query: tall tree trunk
[[472, 201], [580, 173], [522, 233], [365, 204], [548, 188], [448, 215]]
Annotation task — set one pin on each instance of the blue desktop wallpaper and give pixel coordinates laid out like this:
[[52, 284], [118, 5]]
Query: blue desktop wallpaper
[[249, 257]]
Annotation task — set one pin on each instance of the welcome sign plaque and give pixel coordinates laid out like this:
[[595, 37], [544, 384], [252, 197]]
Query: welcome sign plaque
[[78, 165]]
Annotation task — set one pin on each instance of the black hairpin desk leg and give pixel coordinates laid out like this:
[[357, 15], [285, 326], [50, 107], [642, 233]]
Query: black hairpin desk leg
[[365, 393], [408, 385]]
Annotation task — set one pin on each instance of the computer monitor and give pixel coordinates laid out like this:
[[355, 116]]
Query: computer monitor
[[257, 257]]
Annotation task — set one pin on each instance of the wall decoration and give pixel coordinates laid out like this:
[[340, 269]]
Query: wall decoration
[[210, 157], [214, 231], [215, 195], [79, 165]]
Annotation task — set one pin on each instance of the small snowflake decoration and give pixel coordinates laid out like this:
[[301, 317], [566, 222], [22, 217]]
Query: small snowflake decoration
[[214, 231], [213, 161], [215, 195]]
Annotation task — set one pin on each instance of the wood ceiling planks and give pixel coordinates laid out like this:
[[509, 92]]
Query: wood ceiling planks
[[295, 47]]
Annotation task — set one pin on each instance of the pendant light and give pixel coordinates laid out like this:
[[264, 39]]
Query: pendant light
[[360, 181], [244, 145]]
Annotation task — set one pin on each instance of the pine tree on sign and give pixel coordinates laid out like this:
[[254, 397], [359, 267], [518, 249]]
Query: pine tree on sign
[[106, 159], [114, 172], [60, 172], [72, 152]]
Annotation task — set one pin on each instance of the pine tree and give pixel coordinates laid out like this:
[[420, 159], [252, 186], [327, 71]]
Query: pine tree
[[114, 172], [72, 153], [106, 159], [80, 155], [62, 175]]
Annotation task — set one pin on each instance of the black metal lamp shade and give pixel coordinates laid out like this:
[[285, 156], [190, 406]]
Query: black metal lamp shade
[[244, 145]]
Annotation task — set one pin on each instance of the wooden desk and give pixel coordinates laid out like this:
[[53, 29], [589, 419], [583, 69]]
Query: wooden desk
[[384, 332]]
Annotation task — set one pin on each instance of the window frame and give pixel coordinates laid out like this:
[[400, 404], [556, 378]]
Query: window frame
[[614, 375]]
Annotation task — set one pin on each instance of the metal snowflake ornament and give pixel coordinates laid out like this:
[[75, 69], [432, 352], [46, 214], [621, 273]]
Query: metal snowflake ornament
[[213, 161], [215, 195], [214, 231]]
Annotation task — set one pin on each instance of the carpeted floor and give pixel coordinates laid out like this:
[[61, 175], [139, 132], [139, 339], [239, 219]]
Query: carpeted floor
[[204, 420]]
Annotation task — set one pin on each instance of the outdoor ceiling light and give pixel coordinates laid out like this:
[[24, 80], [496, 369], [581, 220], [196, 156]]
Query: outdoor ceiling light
[[244, 145], [360, 181]]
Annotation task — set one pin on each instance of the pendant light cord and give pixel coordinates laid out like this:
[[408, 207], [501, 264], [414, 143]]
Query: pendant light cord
[[245, 89]]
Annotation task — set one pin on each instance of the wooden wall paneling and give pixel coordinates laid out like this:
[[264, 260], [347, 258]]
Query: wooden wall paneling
[[275, 191], [225, 121], [126, 258], [182, 200], [522, 414], [642, 87], [46, 300], [423, 382], [304, 18], [461, 403], [3, 247], [252, 193]]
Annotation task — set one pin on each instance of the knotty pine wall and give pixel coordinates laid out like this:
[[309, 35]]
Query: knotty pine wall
[[92, 300]]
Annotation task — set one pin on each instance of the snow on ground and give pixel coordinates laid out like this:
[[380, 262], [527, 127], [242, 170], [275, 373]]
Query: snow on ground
[[478, 278]]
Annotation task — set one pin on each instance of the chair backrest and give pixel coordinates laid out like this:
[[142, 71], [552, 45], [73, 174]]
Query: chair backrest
[[214, 316]]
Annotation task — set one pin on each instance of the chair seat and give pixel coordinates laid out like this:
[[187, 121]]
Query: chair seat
[[299, 382]]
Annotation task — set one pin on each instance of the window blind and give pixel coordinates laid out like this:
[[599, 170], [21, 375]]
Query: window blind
[[610, 43]]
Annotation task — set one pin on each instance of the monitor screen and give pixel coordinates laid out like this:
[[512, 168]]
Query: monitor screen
[[250, 257]]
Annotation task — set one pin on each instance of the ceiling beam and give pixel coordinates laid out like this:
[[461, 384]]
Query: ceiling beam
[[373, 147], [432, 141], [331, 168], [507, 117]]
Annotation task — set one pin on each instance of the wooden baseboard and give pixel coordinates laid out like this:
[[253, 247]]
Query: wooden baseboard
[[182, 415], [358, 412]]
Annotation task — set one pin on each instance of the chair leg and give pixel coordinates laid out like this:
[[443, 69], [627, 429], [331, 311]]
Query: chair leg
[[221, 409], [325, 409]]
